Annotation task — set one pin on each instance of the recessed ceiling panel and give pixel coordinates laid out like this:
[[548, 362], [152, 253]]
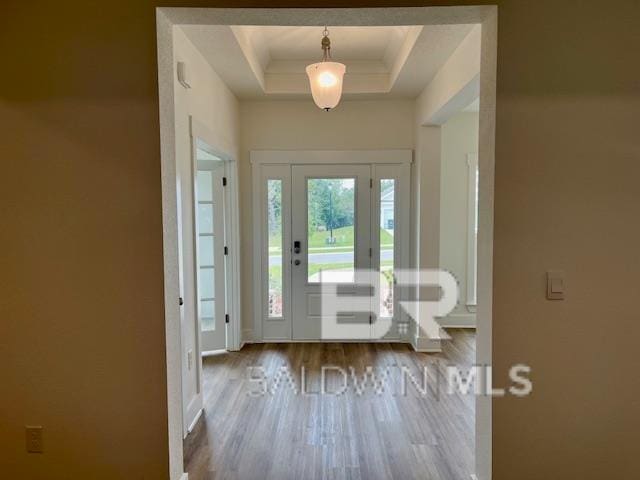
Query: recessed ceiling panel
[[258, 61], [348, 43]]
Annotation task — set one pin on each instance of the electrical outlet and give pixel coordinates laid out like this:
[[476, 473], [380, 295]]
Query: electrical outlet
[[34, 439]]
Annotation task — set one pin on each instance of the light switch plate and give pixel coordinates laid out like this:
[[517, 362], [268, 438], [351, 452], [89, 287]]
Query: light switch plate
[[555, 285]]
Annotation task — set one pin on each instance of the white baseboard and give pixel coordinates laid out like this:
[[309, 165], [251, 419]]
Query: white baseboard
[[426, 345], [458, 320], [333, 340], [195, 420], [421, 344], [210, 353]]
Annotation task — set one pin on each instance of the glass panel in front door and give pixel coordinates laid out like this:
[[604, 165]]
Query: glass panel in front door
[[331, 232], [386, 245], [275, 233]]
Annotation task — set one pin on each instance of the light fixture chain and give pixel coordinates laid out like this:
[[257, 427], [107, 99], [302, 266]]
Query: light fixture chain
[[326, 45]]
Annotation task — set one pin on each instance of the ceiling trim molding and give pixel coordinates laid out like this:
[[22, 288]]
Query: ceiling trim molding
[[393, 61]]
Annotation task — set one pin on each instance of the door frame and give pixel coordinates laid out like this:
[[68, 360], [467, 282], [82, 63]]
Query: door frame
[[398, 157], [485, 15], [231, 228]]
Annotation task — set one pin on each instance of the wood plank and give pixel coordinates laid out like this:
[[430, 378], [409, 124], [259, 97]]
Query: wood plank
[[362, 436]]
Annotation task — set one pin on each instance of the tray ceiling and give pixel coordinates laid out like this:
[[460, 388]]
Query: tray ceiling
[[259, 61]]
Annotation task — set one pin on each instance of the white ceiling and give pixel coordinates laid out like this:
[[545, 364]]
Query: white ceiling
[[256, 61], [349, 43]]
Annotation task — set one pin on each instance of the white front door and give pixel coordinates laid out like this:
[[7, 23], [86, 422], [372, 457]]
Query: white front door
[[331, 239], [317, 226]]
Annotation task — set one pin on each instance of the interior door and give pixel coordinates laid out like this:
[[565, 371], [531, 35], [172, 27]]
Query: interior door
[[331, 239], [210, 252]]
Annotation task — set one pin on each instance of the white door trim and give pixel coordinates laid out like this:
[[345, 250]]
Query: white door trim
[[472, 218], [232, 229], [351, 157]]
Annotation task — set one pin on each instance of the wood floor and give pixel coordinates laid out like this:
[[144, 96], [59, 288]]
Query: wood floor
[[290, 434]]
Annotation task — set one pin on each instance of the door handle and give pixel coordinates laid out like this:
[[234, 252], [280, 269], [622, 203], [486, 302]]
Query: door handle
[[296, 262], [180, 301], [296, 246]]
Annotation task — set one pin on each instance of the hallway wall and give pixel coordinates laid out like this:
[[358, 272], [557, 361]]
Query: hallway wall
[[301, 125]]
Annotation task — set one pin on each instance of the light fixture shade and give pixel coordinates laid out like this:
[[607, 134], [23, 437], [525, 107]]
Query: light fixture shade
[[325, 79]]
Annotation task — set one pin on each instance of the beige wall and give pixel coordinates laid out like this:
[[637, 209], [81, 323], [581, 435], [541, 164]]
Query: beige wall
[[300, 125], [81, 316], [567, 197], [210, 103], [82, 312], [459, 138]]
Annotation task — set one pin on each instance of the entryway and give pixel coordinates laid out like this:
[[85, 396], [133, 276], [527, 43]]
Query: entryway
[[242, 74], [323, 222]]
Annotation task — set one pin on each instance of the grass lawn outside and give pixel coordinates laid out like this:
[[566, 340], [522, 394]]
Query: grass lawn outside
[[275, 271], [344, 241]]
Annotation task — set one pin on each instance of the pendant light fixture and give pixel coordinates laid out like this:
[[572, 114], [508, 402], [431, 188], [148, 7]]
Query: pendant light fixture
[[325, 78]]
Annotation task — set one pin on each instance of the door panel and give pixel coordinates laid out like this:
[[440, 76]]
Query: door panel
[[210, 257], [330, 224]]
